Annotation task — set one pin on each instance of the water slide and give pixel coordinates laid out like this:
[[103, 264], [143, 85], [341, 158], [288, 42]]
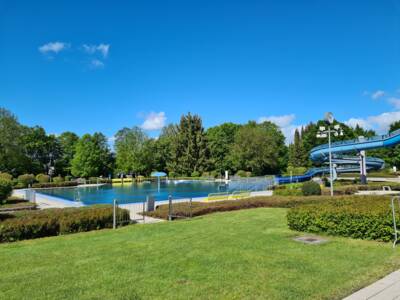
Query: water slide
[[346, 163]]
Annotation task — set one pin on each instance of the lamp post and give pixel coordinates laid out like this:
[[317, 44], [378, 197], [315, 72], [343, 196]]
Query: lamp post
[[326, 132]]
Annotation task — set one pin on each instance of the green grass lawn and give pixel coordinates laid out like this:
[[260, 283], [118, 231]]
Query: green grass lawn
[[232, 255]]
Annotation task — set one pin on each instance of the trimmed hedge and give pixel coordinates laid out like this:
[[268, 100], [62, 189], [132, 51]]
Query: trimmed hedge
[[368, 217], [42, 178], [51, 222], [351, 189], [54, 184], [204, 208], [26, 179], [5, 189]]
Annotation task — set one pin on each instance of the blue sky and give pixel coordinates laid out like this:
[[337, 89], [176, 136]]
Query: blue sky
[[89, 66]]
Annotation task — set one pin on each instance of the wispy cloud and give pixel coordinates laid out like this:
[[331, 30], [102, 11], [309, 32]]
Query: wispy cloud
[[395, 102], [154, 121], [53, 47], [285, 123], [96, 64], [377, 94], [103, 49]]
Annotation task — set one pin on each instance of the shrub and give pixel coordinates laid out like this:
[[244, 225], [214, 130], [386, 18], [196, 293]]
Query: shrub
[[356, 217], [241, 173], [50, 222], [295, 171], [171, 174], [26, 180], [42, 178], [204, 208], [195, 174], [6, 176], [58, 179], [5, 189], [288, 192], [68, 178], [311, 188], [54, 184], [214, 173]]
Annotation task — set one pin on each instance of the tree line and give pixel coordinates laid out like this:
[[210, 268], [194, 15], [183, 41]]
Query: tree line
[[182, 149]]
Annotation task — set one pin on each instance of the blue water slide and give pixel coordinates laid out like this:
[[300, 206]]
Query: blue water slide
[[344, 163]]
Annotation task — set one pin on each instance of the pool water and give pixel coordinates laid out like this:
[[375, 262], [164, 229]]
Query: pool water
[[137, 192]]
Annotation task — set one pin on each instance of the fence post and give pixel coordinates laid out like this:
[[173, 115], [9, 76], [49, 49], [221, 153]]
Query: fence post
[[169, 208], [144, 207], [34, 196], [190, 207], [114, 214]]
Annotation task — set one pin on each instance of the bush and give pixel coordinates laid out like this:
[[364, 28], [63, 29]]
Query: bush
[[311, 188], [42, 178], [5, 189], [50, 222], [58, 179], [171, 174], [54, 184], [204, 208], [295, 171], [356, 217], [68, 178], [286, 190], [26, 180], [241, 173], [195, 174], [215, 173], [6, 176]]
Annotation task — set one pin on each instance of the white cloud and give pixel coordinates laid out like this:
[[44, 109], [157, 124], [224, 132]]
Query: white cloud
[[353, 122], [285, 123], [96, 64], [377, 94], [103, 49], [395, 102], [281, 121], [53, 47], [379, 123], [154, 121]]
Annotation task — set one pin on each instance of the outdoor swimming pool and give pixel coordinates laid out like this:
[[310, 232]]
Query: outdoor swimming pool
[[136, 192]]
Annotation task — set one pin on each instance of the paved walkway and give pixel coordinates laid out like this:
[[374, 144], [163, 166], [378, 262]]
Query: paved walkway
[[388, 288]]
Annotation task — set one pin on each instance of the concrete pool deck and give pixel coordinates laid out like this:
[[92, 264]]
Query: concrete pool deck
[[385, 288]]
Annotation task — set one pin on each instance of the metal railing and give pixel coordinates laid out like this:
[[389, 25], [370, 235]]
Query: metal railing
[[136, 211], [396, 231], [30, 195], [179, 208], [357, 141]]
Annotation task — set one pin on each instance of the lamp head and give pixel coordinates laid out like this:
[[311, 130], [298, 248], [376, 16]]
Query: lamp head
[[329, 118]]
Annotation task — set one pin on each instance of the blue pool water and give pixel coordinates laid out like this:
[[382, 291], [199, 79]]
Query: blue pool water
[[137, 192]]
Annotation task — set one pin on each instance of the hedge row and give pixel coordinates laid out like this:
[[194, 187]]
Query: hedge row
[[357, 217], [51, 222], [354, 188], [204, 208], [54, 184]]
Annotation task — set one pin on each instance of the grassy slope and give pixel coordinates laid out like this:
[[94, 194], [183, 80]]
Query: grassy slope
[[234, 255]]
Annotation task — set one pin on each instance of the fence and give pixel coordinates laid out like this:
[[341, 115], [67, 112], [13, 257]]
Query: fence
[[30, 195], [136, 210], [179, 208]]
